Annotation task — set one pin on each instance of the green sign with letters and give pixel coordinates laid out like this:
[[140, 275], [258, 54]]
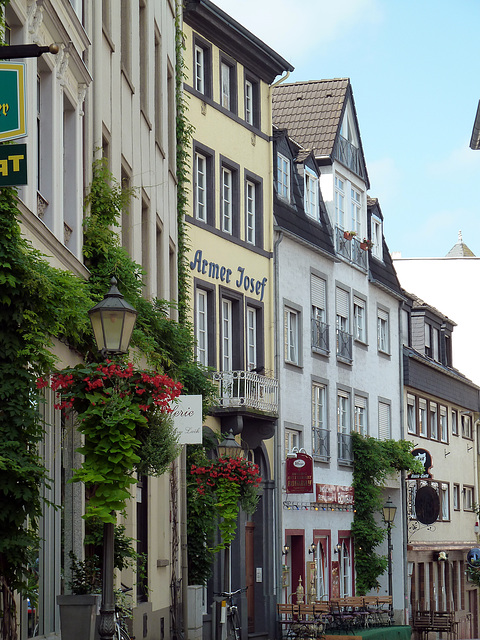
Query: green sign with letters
[[13, 164], [13, 123]]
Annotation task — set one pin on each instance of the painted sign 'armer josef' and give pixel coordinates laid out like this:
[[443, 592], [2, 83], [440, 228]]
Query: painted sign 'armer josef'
[[219, 272]]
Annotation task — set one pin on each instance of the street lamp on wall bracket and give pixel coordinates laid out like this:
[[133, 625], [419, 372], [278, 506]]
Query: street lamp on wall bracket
[[388, 511]]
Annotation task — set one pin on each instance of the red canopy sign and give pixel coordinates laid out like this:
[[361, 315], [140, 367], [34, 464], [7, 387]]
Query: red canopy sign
[[299, 472], [334, 494]]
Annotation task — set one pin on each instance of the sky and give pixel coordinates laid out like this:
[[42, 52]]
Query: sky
[[414, 66]]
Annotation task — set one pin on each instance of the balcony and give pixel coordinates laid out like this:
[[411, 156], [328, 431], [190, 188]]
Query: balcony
[[319, 335], [247, 390], [350, 249], [350, 156], [345, 453], [321, 443], [344, 346]]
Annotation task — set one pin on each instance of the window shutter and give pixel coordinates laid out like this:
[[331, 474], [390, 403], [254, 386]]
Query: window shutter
[[342, 302], [383, 315], [383, 421], [318, 287], [360, 401]]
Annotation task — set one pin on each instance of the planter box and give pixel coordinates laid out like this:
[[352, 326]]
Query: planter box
[[78, 616]]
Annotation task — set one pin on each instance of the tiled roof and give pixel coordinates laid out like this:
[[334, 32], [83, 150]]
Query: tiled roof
[[311, 111], [460, 250]]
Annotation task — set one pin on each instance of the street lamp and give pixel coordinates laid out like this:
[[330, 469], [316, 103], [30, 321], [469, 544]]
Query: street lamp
[[113, 320], [389, 510], [9, 51]]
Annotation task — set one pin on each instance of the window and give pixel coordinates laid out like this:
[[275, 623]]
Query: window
[[344, 339], [456, 497], [252, 102], [292, 440], [227, 335], [323, 571], [454, 416], [444, 495], [292, 336], [428, 347], [376, 228], [311, 194], [250, 212], [411, 424], [319, 327], [383, 338], [467, 498], [227, 200], [433, 421], [344, 427], [202, 63], [143, 28], [340, 202], [443, 424], [283, 177], [228, 97], [126, 37], [356, 204], [248, 102], [466, 425], [435, 344], [320, 435], [251, 338], [422, 417], [384, 421], [201, 326], [360, 415], [199, 69], [158, 88], [200, 187], [359, 324], [345, 570]]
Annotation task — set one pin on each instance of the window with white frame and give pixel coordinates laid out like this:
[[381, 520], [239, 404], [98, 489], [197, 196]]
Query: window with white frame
[[422, 417], [225, 74], [454, 418], [433, 421], [345, 570], [318, 288], [466, 425], [344, 339], [384, 420], [411, 422], [356, 211], [340, 202], [292, 336], [199, 69], [283, 177], [443, 424], [323, 571], [292, 440], [320, 442], [383, 330], [359, 320], [360, 415], [456, 497], [251, 338], [201, 326], [467, 498], [344, 425], [250, 211], [227, 335], [377, 237], [444, 495], [311, 194], [200, 187], [249, 102], [227, 200]]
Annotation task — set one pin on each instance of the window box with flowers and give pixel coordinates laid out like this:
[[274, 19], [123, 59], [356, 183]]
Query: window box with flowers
[[349, 235], [366, 244]]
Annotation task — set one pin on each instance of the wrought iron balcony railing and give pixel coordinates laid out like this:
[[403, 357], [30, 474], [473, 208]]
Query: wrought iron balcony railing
[[321, 443], [319, 335], [350, 156], [344, 345], [350, 249], [246, 389], [345, 453]]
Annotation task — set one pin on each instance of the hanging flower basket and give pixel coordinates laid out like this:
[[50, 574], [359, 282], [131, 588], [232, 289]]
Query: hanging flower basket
[[234, 482], [119, 410], [349, 235]]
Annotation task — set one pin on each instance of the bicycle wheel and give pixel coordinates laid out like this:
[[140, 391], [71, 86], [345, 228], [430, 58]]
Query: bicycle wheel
[[120, 633], [233, 626]]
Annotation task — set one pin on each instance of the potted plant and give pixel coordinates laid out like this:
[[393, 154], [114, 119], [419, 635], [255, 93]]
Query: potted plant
[[366, 244], [78, 610], [349, 235]]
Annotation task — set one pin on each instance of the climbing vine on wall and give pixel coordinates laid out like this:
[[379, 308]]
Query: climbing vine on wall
[[374, 461]]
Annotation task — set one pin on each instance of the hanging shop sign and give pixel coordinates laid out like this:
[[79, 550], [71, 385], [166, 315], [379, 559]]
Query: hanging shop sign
[[13, 164], [427, 505], [187, 419], [425, 458], [334, 494], [299, 472], [13, 123]]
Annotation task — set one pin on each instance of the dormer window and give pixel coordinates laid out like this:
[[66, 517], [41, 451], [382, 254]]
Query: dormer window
[[311, 194], [377, 236], [283, 177]]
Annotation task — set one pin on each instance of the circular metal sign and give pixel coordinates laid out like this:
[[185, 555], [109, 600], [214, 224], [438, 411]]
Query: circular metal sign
[[427, 505]]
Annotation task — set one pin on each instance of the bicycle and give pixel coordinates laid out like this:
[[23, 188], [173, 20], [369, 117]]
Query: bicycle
[[233, 617], [121, 614]]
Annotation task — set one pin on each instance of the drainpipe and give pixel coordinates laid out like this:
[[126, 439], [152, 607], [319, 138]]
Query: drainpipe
[[280, 80], [403, 482], [278, 447]]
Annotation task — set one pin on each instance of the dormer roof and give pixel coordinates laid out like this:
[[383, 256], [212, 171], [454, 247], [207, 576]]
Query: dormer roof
[[314, 112]]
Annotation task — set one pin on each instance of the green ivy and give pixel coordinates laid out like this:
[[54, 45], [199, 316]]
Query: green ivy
[[374, 461]]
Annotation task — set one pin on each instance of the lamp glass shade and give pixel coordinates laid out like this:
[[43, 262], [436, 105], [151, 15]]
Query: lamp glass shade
[[389, 510], [229, 447], [113, 320]]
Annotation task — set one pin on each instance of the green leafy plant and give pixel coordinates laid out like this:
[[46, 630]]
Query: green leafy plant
[[234, 482], [86, 578], [114, 403], [374, 461]]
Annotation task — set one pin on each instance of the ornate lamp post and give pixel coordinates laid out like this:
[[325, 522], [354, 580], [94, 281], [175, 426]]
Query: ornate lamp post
[[228, 448], [113, 320], [389, 510]]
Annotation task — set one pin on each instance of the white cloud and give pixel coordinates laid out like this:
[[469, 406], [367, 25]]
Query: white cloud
[[296, 31]]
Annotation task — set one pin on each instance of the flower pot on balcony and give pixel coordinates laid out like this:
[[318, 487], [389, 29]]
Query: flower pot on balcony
[[78, 616], [366, 244], [349, 235]]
